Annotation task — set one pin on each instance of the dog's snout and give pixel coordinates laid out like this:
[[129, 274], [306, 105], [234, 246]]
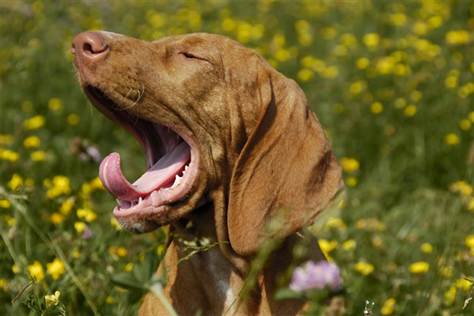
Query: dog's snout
[[90, 46]]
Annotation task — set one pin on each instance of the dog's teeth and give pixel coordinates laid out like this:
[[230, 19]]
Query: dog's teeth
[[140, 199]]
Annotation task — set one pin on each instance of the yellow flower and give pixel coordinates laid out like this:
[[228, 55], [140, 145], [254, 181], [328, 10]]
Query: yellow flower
[[410, 110], [371, 40], [451, 139], [3, 284], [450, 295], [35, 270], [109, 300], [58, 186], [115, 224], [471, 115], [362, 63], [465, 124], [376, 108], [55, 268], [327, 246], [351, 181], [4, 203], [87, 214], [6, 139], [16, 182], [364, 268], [73, 119], [67, 205], [349, 244], [56, 218], [461, 187], [463, 284], [357, 87], [420, 28], [55, 104], [9, 155], [457, 37], [469, 241], [398, 19], [118, 251], [419, 267], [34, 123], [305, 74], [96, 184], [38, 155], [349, 164], [31, 142], [470, 204], [426, 247], [400, 103], [335, 222], [16, 268], [80, 227], [446, 271], [388, 306], [53, 299], [128, 267]]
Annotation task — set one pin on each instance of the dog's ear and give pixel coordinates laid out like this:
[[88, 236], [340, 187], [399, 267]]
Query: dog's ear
[[286, 173]]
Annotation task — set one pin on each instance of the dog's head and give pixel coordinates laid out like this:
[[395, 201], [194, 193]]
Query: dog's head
[[217, 122]]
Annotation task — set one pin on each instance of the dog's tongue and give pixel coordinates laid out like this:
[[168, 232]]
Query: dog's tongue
[[161, 173]]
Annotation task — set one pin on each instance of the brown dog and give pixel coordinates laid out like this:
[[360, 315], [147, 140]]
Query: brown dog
[[231, 147]]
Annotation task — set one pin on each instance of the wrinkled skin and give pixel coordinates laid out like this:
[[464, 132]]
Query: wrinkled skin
[[263, 158]]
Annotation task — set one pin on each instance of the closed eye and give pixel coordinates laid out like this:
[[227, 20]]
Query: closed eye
[[193, 56]]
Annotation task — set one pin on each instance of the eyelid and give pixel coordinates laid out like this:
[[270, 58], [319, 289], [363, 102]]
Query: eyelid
[[191, 55]]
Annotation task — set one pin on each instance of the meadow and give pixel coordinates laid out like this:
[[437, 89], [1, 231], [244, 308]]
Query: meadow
[[391, 81]]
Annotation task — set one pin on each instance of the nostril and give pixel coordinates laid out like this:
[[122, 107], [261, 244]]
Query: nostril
[[88, 48], [89, 44]]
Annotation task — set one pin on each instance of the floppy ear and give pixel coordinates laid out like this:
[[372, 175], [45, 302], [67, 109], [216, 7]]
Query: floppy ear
[[286, 172]]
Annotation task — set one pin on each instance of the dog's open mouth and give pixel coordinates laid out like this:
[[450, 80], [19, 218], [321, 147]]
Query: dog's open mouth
[[172, 164]]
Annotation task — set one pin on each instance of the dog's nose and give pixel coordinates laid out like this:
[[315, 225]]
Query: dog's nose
[[90, 46]]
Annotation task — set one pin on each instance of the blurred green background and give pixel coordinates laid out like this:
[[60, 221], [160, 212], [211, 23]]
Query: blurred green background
[[391, 81]]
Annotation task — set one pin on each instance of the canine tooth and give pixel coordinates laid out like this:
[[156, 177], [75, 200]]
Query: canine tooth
[[140, 199]]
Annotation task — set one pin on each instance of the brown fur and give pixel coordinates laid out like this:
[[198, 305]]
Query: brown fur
[[264, 158]]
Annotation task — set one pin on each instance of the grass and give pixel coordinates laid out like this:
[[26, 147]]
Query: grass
[[392, 81]]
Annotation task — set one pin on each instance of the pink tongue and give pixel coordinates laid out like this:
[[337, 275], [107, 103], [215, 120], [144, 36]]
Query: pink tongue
[[161, 173]]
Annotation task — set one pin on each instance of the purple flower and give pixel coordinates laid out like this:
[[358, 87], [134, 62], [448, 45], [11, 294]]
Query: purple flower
[[87, 234], [316, 276]]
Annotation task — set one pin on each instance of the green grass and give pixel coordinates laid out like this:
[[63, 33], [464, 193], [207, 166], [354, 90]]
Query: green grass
[[391, 81]]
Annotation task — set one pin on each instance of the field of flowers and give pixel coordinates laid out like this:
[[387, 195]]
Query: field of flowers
[[392, 81]]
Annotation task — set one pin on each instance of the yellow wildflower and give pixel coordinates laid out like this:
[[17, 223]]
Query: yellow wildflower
[[357, 87], [426, 247], [55, 268], [16, 268], [53, 299], [471, 116], [364, 268], [349, 164], [31, 142], [398, 19], [87, 214], [351, 181], [56, 218], [371, 224], [450, 295], [6, 139], [463, 284], [457, 37], [362, 63], [34, 123], [349, 244], [118, 251], [38, 155], [305, 74], [376, 108], [80, 227], [73, 119], [115, 224], [75, 253], [388, 306], [327, 246], [55, 104], [371, 40], [128, 267], [9, 155], [465, 124], [469, 241], [400, 103], [470, 204], [58, 186], [461, 187], [11, 221], [35, 270], [420, 28], [451, 139], [67, 205], [446, 271], [109, 300], [419, 267], [96, 184], [3, 284], [335, 222], [4, 203], [16, 182]]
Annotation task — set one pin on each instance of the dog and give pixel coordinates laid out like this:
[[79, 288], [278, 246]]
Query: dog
[[235, 158]]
